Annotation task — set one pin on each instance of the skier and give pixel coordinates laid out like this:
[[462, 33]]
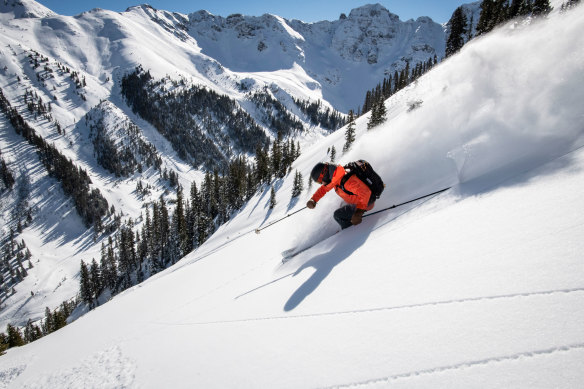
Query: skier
[[351, 189]]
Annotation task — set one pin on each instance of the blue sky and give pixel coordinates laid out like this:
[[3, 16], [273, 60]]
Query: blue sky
[[306, 10]]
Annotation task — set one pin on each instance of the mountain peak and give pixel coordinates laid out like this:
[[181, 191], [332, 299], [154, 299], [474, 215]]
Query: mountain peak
[[373, 11], [23, 9]]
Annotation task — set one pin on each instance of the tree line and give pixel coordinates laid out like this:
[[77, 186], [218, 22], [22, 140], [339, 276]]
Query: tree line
[[89, 203], [394, 83], [15, 261], [202, 126], [328, 119], [493, 13], [6, 175], [132, 255], [275, 115], [128, 155], [53, 320]]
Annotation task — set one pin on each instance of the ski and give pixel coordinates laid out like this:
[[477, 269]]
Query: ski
[[291, 253]]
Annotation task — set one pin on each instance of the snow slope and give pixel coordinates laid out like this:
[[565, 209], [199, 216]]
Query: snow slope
[[478, 287], [316, 62]]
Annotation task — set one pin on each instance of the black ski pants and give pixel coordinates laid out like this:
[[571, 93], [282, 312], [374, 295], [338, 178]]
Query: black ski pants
[[344, 214]]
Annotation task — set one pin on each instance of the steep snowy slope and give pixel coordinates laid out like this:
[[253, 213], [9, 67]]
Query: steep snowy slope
[[478, 287], [74, 65]]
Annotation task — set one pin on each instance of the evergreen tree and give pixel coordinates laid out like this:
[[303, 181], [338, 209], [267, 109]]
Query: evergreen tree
[[541, 7], [272, 198], [381, 111], [286, 159], [458, 28], [59, 320], [484, 24], [164, 223], [96, 281], [6, 175], [142, 251], [86, 289], [196, 214], [515, 8], [31, 332], [181, 223], [217, 193], [14, 336], [127, 254], [173, 252], [208, 196], [206, 216], [374, 118], [349, 132], [333, 154], [378, 114], [48, 323], [111, 265], [396, 86], [298, 185], [262, 165], [276, 158], [367, 105], [3, 343], [501, 12]]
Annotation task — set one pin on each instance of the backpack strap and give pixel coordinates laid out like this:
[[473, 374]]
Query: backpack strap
[[344, 180]]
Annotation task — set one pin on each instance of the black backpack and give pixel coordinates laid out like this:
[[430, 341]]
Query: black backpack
[[365, 173]]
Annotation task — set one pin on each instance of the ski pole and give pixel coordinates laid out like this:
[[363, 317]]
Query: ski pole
[[407, 202], [257, 231]]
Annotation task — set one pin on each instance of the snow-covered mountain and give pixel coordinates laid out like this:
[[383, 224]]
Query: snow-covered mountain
[[480, 286], [20, 9], [353, 53], [340, 56], [63, 76]]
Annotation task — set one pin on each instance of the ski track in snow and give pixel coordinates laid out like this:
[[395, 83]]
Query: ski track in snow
[[464, 365], [381, 309]]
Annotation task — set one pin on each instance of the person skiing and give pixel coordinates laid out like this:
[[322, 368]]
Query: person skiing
[[348, 186]]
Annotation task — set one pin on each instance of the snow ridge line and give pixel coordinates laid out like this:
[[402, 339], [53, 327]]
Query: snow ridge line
[[381, 309], [464, 365]]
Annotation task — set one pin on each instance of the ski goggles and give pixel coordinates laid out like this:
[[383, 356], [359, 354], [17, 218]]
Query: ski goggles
[[323, 174]]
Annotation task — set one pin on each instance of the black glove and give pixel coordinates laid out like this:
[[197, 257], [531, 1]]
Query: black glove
[[311, 204], [357, 216]]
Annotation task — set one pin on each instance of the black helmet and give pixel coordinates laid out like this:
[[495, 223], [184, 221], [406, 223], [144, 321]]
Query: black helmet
[[322, 173]]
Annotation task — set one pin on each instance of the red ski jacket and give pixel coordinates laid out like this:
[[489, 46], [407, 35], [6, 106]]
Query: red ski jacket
[[354, 192]]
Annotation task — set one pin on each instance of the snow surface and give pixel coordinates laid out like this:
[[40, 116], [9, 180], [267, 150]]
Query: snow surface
[[478, 287]]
